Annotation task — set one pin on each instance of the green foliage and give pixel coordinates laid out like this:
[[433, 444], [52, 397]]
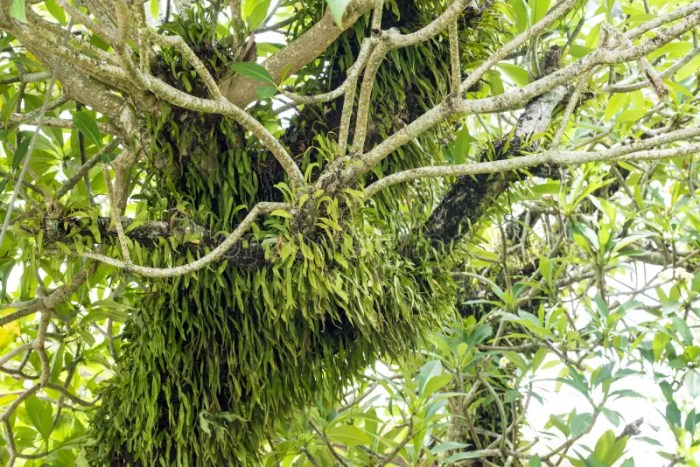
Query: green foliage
[[17, 10], [245, 361], [214, 360], [338, 8]]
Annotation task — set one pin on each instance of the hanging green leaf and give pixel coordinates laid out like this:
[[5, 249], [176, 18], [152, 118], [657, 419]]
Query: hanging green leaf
[[21, 151], [264, 92], [40, 414], [348, 435], [17, 10], [338, 8], [87, 125], [254, 12], [253, 70]]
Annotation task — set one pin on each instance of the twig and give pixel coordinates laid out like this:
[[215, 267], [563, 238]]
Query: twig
[[116, 217], [50, 301], [409, 436], [214, 255], [537, 28], [179, 43], [85, 20], [85, 168], [328, 444], [30, 150], [69, 395], [667, 73], [657, 83], [569, 111], [549, 157], [455, 67], [501, 411]]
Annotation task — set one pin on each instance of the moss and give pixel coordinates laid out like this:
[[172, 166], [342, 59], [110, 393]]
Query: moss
[[212, 362]]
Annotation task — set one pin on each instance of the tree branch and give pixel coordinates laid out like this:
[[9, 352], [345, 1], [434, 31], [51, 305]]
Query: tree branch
[[299, 53], [215, 255], [549, 157], [513, 98]]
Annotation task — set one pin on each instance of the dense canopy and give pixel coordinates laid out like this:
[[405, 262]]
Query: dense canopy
[[220, 217]]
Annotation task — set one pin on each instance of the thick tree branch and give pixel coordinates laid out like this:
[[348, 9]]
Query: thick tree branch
[[470, 197], [514, 98], [215, 255], [639, 150], [49, 302], [292, 58], [191, 236]]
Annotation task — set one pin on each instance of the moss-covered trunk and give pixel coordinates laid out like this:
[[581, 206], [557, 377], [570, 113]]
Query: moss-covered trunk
[[213, 360]]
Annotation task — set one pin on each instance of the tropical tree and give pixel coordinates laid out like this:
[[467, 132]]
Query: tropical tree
[[211, 234]]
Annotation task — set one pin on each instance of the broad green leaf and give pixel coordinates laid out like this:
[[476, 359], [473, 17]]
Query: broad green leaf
[[495, 82], [264, 92], [673, 414], [40, 414], [436, 383], [608, 449], [8, 105], [538, 8], [691, 421], [253, 70], [55, 10], [580, 423], [689, 69], [338, 8], [518, 75], [616, 103], [430, 370], [21, 151], [8, 333], [692, 383], [155, 8], [612, 415], [661, 339], [17, 10], [87, 125], [521, 15], [348, 435], [254, 12], [462, 144]]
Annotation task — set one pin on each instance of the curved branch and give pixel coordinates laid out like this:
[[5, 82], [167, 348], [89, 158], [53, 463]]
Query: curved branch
[[223, 107], [351, 80], [50, 301], [534, 31], [299, 53], [670, 72], [215, 255], [548, 157], [514, 98]]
